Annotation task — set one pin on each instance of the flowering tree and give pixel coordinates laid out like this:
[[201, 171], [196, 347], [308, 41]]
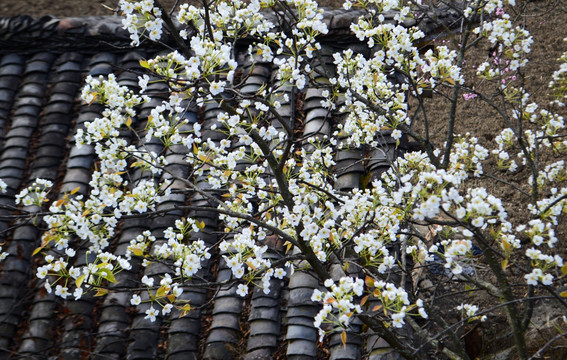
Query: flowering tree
[[273, 174]]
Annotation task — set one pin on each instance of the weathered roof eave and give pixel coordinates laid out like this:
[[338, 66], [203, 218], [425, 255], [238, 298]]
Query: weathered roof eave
[[26, 35]]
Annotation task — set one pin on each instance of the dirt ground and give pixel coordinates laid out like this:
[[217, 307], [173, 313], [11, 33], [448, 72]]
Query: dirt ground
[[545, 19]]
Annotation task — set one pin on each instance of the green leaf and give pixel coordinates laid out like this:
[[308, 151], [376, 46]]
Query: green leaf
[[344, 338], [365, 180], [185, 309], [101, 292], [200, 225], [136, 251], [107, 274], [144, 64], [506, 245], [45, 240], [161, 291], [80, 280], [369, 281], [377, 307]]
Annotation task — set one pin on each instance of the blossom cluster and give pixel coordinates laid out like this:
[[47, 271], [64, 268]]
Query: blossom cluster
[[165, 296], [470, 311], [512, 46], [245, 256], [35, 194], [338, 304], [86, 277], [558, 84], [141, 15]]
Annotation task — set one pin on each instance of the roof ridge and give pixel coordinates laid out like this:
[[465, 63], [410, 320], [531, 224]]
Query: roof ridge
[[93, 34]]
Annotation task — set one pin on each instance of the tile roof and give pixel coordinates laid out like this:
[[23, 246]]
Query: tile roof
[[43, 64]]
